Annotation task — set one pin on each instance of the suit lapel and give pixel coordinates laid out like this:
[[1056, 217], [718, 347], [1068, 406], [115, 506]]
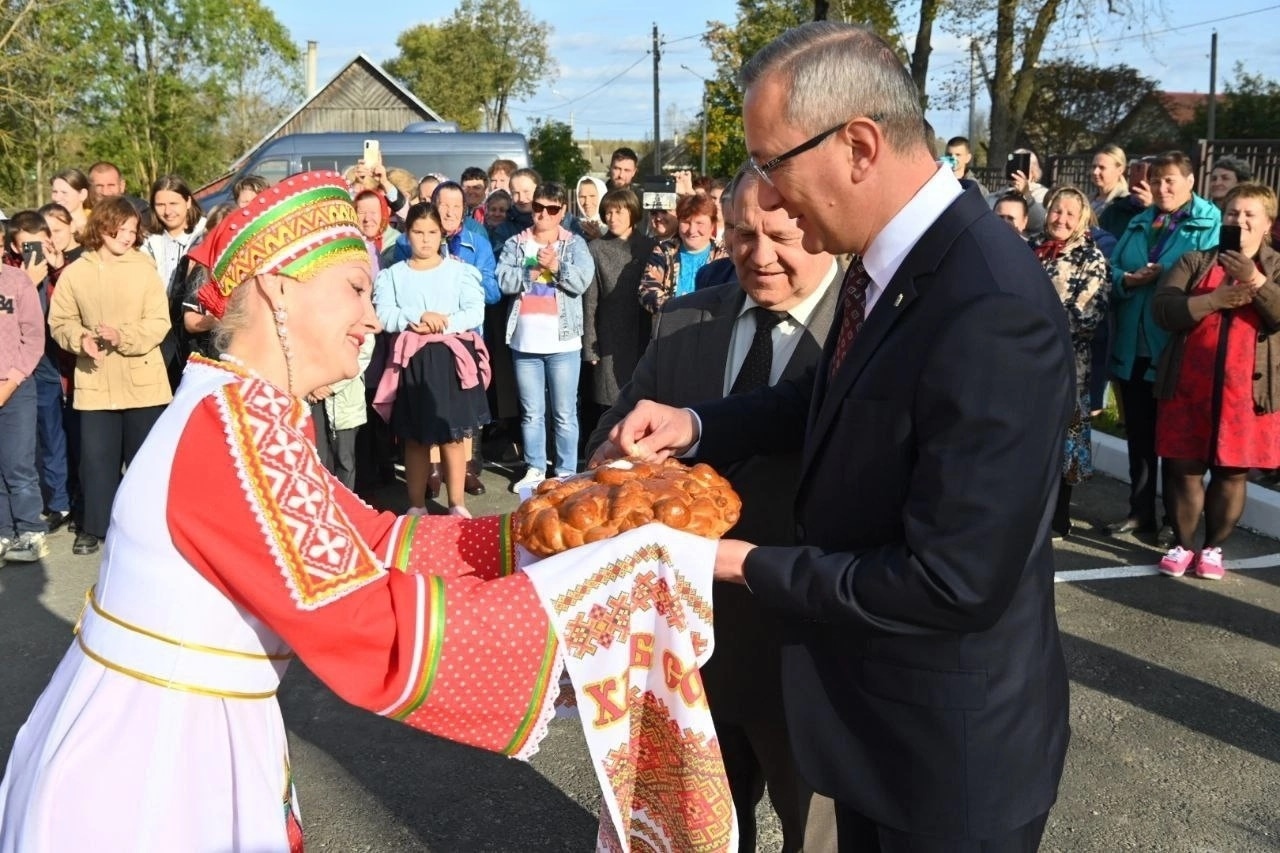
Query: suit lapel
[[918, 266], [715, 333], [809, 351]]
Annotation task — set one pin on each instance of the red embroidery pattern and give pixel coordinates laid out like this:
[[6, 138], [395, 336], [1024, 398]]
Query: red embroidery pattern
[[610, 573], [687, 801], [603, 625], [317, 549]]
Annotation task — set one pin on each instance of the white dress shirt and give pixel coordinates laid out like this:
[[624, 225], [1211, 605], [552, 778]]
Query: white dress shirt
[[786, 335], [892, 245]]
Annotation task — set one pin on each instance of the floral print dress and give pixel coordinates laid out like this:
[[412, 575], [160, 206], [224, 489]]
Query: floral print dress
[[1080, 275]]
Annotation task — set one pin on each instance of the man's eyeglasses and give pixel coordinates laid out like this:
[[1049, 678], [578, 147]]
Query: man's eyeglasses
[[553, 209], [762, 170]]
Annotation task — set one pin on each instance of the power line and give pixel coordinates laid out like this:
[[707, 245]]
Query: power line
[[683, 38], [608, 82], [1176, 29]]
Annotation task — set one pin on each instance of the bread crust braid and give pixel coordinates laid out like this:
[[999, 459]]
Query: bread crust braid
[[600, 504]]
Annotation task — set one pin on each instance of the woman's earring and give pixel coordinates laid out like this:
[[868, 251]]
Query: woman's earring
[[282, 331]]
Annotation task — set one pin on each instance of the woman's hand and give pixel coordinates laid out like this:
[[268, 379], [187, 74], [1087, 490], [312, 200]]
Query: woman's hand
[[1241, 268], [55, 257], [1142, 192], [1143, 276], [1230, 296], [89, 343], [1020, 183], [109, 334], [549, 259]]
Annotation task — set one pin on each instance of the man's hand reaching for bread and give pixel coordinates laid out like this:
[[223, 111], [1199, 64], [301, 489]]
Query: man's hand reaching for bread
[[652, 432]]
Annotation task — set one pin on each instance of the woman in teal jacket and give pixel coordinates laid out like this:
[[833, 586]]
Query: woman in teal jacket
[[1176, 221]]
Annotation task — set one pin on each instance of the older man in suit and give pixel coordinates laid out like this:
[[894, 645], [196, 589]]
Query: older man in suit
[[925, 685], [731, 339]]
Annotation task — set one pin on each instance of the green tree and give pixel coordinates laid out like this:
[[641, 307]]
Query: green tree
[[554, 153], [429, 64], [1250, 109], [757, 24], [483, 56], [1077, 107], [44, 48], [168, 91]]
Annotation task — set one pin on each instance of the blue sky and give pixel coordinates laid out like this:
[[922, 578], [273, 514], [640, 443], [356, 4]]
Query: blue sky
[[593, 44]]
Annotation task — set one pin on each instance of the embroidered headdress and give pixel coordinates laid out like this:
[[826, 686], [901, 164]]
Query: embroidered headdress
[[297, 228]]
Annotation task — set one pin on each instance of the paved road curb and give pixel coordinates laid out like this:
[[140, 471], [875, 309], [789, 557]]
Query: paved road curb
[[1261, 509]]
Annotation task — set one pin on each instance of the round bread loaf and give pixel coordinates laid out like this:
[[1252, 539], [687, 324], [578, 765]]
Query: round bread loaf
[[600, 504]]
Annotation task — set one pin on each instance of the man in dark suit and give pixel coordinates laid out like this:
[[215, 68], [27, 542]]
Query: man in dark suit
[[766, 327], [924, 679]]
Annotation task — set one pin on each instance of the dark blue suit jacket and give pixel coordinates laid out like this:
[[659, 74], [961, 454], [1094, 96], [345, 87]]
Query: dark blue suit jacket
[[924, 675]]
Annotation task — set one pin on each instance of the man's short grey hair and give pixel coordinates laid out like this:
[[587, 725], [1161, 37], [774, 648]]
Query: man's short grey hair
[[837, 72], [743, 176]]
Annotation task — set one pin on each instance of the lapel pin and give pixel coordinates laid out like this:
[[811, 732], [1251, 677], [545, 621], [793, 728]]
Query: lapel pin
[[897, 300]]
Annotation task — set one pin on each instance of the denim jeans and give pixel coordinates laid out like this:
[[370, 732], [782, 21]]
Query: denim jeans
[[52, 441], [20, 501], [536, 374]]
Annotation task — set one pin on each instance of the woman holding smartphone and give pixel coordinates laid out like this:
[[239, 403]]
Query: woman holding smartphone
[[1215, 381], [1176, 222]]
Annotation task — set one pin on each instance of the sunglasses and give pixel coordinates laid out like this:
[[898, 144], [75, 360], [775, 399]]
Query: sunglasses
[[553, 209]]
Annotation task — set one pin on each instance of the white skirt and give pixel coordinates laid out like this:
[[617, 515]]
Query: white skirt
[[109, 763]]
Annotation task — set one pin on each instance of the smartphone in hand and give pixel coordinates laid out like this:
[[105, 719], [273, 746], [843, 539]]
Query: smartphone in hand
[[1138, 172], [32, 253], [1229, 238], [1019, 161], [372, 153]]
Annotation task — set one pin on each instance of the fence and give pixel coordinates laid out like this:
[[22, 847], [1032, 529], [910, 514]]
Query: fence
[[1262, 155]]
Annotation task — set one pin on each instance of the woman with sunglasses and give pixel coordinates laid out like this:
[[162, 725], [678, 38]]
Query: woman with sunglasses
[[547, 268]]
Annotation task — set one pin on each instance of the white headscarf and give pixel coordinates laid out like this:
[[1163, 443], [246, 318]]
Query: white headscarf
[[601, 189]]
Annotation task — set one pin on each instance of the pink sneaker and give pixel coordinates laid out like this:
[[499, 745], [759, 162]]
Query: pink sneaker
[[1209, 566], [1176, 562], [459, 511]]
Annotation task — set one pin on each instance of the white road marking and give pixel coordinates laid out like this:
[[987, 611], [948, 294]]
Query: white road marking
[[1269, 561]]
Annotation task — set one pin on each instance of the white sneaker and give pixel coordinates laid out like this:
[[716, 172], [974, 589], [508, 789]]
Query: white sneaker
[[529, 481], [29, 548], [417, 511], [459, 511]]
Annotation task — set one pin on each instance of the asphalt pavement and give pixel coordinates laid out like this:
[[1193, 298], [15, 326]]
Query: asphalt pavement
[[1175, 714]]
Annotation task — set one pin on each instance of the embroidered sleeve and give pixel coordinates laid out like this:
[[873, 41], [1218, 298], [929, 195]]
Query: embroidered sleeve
[[448, 640]]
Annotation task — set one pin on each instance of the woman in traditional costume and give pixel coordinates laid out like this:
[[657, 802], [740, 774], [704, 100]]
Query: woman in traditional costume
[[231, 550]]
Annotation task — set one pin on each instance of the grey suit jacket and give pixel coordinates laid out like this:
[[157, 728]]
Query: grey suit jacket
[[683, 365]]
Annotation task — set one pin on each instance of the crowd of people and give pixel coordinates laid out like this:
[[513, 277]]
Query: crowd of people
[[804, 350], [563, 287], [1171, 296]]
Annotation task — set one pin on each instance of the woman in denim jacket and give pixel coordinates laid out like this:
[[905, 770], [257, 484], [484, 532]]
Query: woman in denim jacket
[[548, 268]]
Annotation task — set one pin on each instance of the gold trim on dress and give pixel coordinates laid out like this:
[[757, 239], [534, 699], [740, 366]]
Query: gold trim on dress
[[91, 600], [172, 685]]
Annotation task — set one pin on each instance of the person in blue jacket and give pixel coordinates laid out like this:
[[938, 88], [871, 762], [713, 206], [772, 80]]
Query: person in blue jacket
[[1175, 221]]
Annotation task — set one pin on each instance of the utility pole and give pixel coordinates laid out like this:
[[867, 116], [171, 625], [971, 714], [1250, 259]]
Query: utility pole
[[1213, 86], [704, 130], [973, 94], [657, 136]]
